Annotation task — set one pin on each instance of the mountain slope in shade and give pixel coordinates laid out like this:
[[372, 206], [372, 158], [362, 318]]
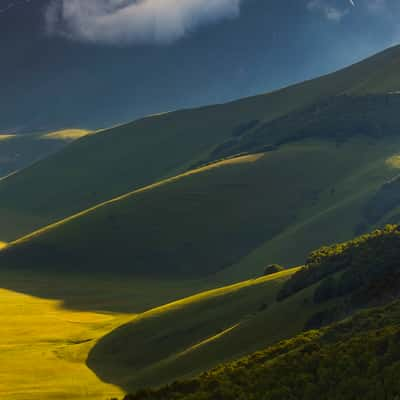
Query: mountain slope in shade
[[22, 150], [206, 220], [124, 158]]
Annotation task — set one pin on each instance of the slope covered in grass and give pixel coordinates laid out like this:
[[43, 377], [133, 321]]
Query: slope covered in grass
[[121, 159], [215, 217], [358, 358], [335, 282], [191, 335], [20, 151]]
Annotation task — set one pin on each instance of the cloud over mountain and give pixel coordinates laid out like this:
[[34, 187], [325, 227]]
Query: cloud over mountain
[[135, 21]]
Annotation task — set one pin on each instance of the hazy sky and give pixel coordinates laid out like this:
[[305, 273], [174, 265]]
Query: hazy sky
[[96, 62]]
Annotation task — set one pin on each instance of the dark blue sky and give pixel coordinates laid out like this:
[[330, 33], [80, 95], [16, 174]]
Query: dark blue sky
[[55, 81]]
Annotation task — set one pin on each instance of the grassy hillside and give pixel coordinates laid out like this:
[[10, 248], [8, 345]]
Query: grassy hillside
[[45, 345], [358, 358], [217, 216], [335, 283], [51, 352], [336, 118], [124, 158], [204, 333], [20, 151]]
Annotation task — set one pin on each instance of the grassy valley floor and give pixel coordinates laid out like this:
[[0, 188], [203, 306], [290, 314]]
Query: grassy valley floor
[[47, 343], [48, 326], [43, 349]]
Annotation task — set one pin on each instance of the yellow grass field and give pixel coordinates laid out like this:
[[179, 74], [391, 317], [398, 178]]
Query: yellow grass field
[[45, 344], [43, 349], [66, 134]]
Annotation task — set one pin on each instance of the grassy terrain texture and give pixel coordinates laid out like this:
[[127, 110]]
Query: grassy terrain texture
[[124, 158]]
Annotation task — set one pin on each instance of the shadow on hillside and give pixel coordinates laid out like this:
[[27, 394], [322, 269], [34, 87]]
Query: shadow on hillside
[[102, 293]]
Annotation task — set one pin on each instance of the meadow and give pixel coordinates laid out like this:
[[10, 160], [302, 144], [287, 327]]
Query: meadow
[[44, 346], [47, 340], [50, 323]]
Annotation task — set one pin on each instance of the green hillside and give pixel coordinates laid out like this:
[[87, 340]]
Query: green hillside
[[22, 150], [205, 332], [209, 219], [358, 358], [124, 158], [187, 337]]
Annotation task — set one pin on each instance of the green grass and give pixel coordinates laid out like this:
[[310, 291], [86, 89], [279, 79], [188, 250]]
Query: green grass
[[48, 337], [237, 213], [23, 150], [191, 335], [186, 338], [334, 217], [115, 161], [50, 322], [355, 359], [101, 292]]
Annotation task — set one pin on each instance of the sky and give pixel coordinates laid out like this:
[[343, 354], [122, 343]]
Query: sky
[[100, 62]]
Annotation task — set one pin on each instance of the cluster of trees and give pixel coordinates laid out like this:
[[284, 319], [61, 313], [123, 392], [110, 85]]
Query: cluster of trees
[[358, 358], [350, 266], [272, 269]]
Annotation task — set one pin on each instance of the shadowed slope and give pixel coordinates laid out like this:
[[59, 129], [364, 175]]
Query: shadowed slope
[[205, 220], [185, 337], [21, 151], [118, 160]]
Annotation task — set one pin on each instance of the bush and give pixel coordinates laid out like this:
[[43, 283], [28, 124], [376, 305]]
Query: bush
[[273, 269]]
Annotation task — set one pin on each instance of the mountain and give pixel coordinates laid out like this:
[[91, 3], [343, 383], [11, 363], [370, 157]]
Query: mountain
[[293, 161], [187, 337]]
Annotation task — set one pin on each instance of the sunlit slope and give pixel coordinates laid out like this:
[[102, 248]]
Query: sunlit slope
[[218, 216], [43, 350], [121, 159], [45, 340], [183, 338]]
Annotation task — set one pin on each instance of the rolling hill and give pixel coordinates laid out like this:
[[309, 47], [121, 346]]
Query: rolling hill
[[229, 217], [218, 190], [22, 150], [357, 358], [116, 161], [186, 337]]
